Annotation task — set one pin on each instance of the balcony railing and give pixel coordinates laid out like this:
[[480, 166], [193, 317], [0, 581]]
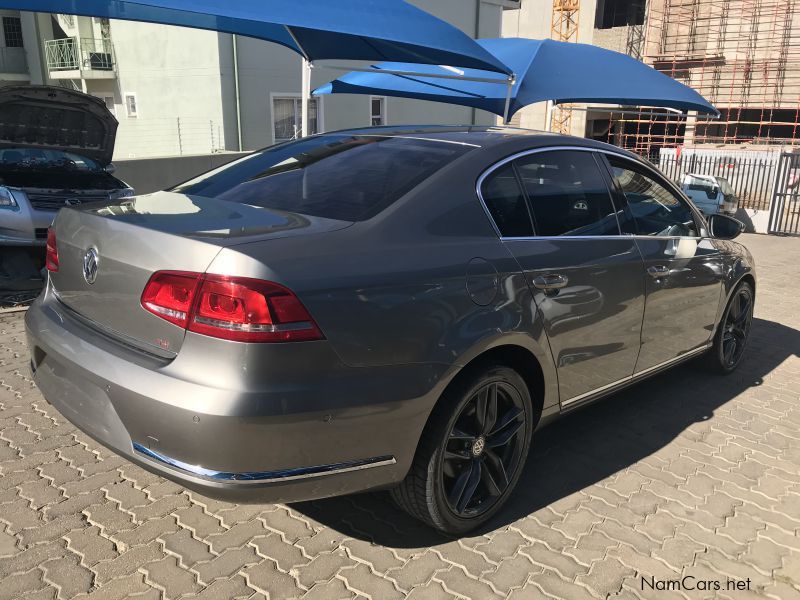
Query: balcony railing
[[12, 60], [71, 54]]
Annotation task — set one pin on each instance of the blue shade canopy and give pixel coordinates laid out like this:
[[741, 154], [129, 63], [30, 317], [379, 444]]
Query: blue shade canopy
[[545, 70], [374, 30]]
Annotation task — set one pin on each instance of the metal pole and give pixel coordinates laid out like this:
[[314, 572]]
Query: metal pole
[[510, 89], [238, 94], [306, 85], [374, 69], [548, 116]]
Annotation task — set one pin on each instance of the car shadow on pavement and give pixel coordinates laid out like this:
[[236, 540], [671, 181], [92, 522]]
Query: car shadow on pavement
[[583, 448]]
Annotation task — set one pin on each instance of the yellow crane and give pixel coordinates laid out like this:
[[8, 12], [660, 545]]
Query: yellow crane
[[564, 28]]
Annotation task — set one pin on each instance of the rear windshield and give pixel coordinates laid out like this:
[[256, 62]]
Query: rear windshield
[[345, 177]]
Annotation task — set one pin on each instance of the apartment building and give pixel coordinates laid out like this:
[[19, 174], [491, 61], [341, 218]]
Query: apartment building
[[187, 91]]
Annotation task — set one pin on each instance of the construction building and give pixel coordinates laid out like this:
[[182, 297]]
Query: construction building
[[742, 55]]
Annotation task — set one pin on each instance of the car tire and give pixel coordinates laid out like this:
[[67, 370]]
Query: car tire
[[733, 332], [463, 453]]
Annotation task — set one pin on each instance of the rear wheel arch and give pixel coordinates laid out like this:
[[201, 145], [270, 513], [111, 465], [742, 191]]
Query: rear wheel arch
[[514, 356]]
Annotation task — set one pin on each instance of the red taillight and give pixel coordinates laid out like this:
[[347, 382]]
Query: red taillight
[[51, 260], [231, 308], [169, 294]]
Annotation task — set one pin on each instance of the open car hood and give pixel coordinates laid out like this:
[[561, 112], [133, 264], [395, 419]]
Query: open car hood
[[38, 116]]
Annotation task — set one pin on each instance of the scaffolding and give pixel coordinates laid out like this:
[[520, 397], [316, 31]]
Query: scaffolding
[[742, 55], [564, 28]]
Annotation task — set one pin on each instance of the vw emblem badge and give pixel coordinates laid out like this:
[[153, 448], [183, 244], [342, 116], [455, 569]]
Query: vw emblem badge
[[90, 261]]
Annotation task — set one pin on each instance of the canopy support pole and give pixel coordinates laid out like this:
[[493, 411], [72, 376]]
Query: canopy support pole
[[510, 86], [304, 104], [548, 116], [418, 74], [305, 85]]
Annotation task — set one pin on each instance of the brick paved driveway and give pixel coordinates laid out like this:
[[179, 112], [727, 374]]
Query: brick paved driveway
[[683, 475]]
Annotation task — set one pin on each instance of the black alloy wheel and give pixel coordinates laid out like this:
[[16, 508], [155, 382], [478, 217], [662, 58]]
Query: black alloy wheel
[[472, 450], [484, 445], [733, 332], [736, 327]]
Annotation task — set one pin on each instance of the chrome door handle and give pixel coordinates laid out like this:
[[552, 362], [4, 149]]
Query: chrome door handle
[[550, 282], [658, 271]]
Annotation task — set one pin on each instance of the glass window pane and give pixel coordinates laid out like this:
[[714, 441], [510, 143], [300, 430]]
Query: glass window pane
[[652, 209], [568, 194], [12, 31], [283, 115], [506, 203], [336, 176]]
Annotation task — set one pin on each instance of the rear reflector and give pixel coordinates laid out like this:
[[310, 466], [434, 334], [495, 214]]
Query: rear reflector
[[231, 308], [51, 259]]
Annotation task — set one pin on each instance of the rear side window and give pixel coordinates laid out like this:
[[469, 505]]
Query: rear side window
[[506, 203], [336, 176], [567, 193]]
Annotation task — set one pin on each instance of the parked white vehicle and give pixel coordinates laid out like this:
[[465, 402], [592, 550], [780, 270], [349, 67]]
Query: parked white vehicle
[[711, 194]]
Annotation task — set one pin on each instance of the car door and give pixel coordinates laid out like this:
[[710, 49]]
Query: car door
[[683, 268], [555, 214]]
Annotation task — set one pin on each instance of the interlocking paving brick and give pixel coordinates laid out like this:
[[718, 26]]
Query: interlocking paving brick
[[168, 575], [22, 584], [684, 474], [67, 575], [267, 579], [226, 564], [90, 545], [188, 549]]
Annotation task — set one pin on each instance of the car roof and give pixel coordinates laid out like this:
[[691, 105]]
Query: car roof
[[481, 136]]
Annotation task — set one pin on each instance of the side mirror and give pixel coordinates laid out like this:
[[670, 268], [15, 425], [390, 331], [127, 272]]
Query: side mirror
[[110, 168], [724, 227], [713, 193]]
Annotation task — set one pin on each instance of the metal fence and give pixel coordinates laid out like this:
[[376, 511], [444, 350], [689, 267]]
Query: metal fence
[[751, 177], [784, 215], [169, 136]]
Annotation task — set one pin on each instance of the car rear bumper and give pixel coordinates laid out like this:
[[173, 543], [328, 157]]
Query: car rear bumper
[[339, 431]]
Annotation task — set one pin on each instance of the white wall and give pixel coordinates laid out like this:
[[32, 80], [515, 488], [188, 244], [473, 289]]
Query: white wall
[[187, 76], [267, 69], [175, 74]]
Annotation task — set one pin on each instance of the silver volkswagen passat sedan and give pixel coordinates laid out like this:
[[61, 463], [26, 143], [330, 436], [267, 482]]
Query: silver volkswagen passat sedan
[[380, 308]]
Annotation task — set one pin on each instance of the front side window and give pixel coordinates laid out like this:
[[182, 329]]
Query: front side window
[[287, 118], [651, 209], [335, 176], [568, 194]]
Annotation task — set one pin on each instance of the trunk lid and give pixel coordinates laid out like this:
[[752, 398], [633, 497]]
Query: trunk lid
[[53, 118], [133, 238]]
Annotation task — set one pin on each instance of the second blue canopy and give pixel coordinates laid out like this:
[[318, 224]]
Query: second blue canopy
[[545, 70]]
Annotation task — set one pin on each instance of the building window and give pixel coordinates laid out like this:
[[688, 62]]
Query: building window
[[619, 13], [131, 105], [109, 102], [287, 115], [12, 31], [377, 111]]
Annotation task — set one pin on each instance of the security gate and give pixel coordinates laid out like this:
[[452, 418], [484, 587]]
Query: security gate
[[784, 216]]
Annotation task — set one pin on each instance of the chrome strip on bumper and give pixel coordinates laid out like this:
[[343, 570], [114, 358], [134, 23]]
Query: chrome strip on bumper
[[264, 476]]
